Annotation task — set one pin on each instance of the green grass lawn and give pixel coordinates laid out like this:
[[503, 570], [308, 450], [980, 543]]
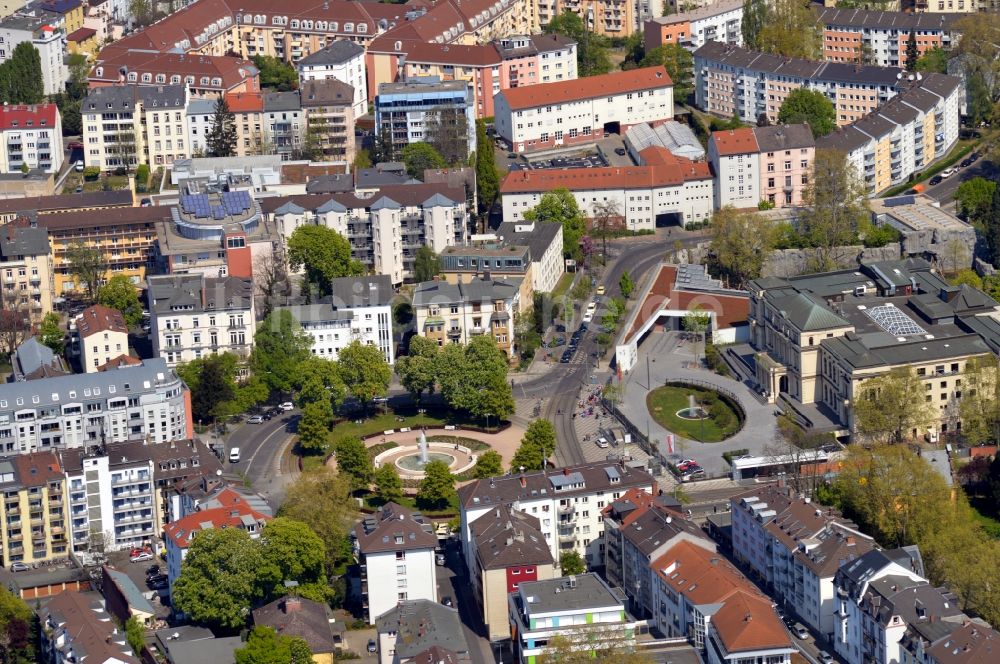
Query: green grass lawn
[[373, 502], [563, 285], [664, 402], [985, 512], [73, 180]]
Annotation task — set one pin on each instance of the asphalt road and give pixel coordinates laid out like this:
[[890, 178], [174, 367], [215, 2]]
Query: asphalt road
[[945, 191], [452, 582], [560, 386], [261, 446]]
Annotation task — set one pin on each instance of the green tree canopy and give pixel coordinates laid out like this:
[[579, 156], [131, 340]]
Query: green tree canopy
[[537, 445], [835, 207], [218, 584], [322, 499], [21, 76], [437, 489], [388, 485], [811, 107], [276, 73], [592, 56], [280, 348], [87, 266], [571, 563], [421, 156], [364, 370], [212, 381], [314, 426], [17, 626], [974, 197], [791, 29], [559, 207], [353, 460], [979, 407], [487, 176], [626, 284], [318, 379], [912, 52], [265, 646], [489, 464], [221, 138], [293, 552], [741, 242], [933, 60], [426, 264], [755, 14], [890, 407], [417, 369], [679, 63], [51, 334], [474, 378], [324, 253], [121, 294]]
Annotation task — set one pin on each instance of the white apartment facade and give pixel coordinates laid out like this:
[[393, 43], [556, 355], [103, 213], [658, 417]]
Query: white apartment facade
[[385, 227], [566, 113], [359, 309], [49, 41], [735, 158], [194, 315], [663, 185], [142, 401], [395, 548], [546, 244], [103, 336], [32, 136], [579, 493], [343, 60], [200, 117]]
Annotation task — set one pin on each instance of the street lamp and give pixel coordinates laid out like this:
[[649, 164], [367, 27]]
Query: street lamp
[[488, 421]]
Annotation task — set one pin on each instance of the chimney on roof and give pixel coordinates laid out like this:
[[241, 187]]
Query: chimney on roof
[[293, 604], [524, 482], [565, 471]]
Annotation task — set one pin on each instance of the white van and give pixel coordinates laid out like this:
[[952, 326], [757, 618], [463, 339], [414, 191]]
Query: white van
[[234, 455]]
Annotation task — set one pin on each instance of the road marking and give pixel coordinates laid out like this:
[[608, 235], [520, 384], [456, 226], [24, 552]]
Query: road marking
[[261, 446]]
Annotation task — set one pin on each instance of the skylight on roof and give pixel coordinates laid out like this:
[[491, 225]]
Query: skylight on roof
[[894, 321]]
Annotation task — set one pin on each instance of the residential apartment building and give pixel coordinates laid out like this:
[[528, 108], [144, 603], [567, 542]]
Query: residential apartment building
[[795, 547], [603, 17], [194, 315], [772, 164], [454, 313], [125, 237], [905, 135], [103, 336], [404, 111], [949, 6], [34, 509], [385, 225], [565, 113], [26, 269], [358, 309], [341, 60], [200, 118], [880, 37], [662, 188], [328, 106], [720, 22], [72, 411], [420, 631], [545, 247], [73, 623], [732, 80], [205, 76], [510, 550], [395, 549], [284, 123], [568, 502], [820, 337], [48, 40], [508, 62], [126, 125], [31, 136], [252, 135], [582, 609], [228, 510]]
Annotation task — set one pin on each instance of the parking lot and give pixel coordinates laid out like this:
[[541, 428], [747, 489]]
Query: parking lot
[[137, 573], [584, 161]]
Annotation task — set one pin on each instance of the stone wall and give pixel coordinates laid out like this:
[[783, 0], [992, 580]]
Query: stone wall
[[792, 262]]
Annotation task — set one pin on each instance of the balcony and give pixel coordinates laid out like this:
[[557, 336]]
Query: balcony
[[569, 508], [15, 537], [567, 534]]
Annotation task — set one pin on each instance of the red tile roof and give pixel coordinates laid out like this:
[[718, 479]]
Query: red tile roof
[[120, 361], [672, 171], [747, 621], [18, 117], [99, 318], [641, 498], [647, 78], [81, 35], [735, 141], [245, 102], [37, 468], [182, 531], [233, 71], [477, 55]]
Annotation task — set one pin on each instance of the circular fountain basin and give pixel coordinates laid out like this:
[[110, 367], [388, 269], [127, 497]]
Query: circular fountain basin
[[696, 413], [412, 461]]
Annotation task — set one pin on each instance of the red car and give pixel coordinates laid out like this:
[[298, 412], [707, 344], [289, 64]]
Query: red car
[[684, 465]]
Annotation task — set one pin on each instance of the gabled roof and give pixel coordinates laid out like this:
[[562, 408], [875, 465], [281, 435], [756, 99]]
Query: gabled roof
[[302, 618], [506, 537], [807, 314], [236, 515], [36, 116], [735, 141], [99, 318], [126, 586], [560, 92], [337, 52], [972, 643], [394, 528], [747, 622]]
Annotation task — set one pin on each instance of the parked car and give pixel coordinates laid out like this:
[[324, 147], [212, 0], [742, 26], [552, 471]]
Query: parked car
[[602, 442], [825, 658], [439, 560], [937, 179], [159, 585], [371, 645], [19, 567], [234, 455], [600, 289], [288, 405], [685, 463], [948, 172], [966, 162], [589, 316], [141, 557], [156, 580], [566, 357], [620, 152], [256, 419], [447, 601], [78, 166], [152, 570], [800, 631]]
